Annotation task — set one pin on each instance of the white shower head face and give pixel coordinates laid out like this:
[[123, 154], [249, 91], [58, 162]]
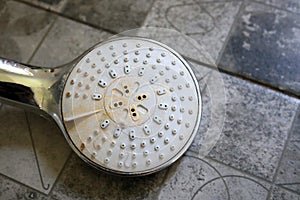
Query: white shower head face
[[131, 106]]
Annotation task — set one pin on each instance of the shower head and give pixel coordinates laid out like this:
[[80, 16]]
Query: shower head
[[129, 105]]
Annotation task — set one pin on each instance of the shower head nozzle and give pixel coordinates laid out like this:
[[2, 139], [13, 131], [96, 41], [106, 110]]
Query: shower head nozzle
[[129, 105]]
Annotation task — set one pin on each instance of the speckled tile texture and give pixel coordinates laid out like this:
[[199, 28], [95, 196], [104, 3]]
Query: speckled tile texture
[[289, 170], [10, 190], [289, 5], [207, 23], [115, 16], [281, 194], [195, 178], [247, 146], [80, 181], [213, 114], [256, 126], [264, 46], [66, 41]]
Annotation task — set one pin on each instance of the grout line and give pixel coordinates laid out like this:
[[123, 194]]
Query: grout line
[[217, 1], [200, 62], [42, 41], [256, 82], [36, 190], [178, 162], [61, 172], [288, 189], [290, 132], [291, 183], [289, 93], [239, 170], [47, 186], [216, 170], [21, 184], [190, 152], [86, 23], [244, 77], [233, 26], [60, 14], [248, 79], [148, 12], [163, 181]]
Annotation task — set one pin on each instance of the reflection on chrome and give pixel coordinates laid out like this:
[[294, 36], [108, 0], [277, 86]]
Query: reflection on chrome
[[12, 67]]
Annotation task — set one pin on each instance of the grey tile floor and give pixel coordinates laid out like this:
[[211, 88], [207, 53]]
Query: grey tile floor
[[256, 45], [264, 46]]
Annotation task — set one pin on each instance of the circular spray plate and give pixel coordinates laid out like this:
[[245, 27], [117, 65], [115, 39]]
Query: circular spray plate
[[131, 106]]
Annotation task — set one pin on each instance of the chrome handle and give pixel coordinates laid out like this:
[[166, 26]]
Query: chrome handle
[[31, 87]]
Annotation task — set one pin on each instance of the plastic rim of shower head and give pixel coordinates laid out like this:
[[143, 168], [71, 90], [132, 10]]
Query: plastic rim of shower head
[[131, 106]]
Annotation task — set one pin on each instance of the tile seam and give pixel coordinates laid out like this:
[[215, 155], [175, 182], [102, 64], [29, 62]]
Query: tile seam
[[290, 132]]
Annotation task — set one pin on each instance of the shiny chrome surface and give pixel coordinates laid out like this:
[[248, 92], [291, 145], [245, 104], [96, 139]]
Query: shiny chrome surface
[[36, 89], [30, 87], [131, 68], [40, 89]]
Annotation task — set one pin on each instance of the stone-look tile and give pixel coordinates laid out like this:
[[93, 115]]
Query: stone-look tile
[[80, 181], [186, 177], [181, 43], [213, 99], [195, 178], [21, 29], [65, 41], [246, 188], [112, 15], [290, 5], [31, 155], [51, 148], [281, 194], [54, 5], [207, 23], [289, 171], [265, 46], [10, 190], [17, 158], [256, 126]]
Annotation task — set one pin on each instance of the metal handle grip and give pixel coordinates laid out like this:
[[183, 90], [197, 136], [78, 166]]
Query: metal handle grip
[[31, 87]]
